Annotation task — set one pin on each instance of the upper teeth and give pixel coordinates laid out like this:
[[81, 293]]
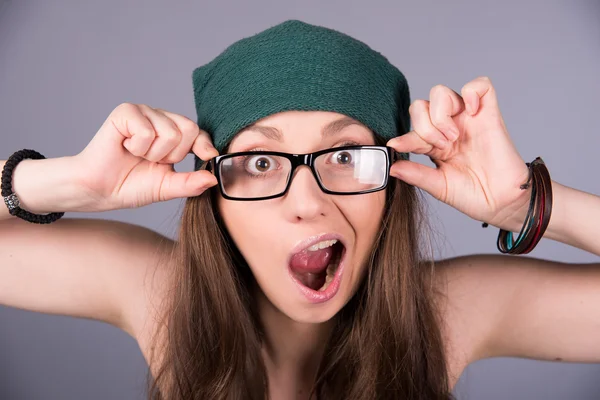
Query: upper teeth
[[322, 245]]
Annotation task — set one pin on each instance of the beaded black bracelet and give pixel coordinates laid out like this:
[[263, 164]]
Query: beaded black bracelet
[[10, 198]]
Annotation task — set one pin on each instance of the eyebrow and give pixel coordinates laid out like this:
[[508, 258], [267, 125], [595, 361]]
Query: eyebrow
[[329, 130]]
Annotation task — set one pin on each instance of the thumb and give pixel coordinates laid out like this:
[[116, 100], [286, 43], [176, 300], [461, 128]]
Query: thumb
[[186, 184], [427, 178]]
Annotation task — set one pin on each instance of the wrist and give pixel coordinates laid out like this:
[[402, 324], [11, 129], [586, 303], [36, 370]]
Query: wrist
[[517, 220], [49, 185], [512, 217]]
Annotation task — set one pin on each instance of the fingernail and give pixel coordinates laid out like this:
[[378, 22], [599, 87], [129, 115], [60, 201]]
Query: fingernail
[[211, 149], [209, 184]]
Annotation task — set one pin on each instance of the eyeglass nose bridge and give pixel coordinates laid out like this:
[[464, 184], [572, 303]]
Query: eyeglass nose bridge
[[298, 160]]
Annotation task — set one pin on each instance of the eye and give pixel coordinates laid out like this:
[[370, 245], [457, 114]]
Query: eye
[[342, 157], [260, 164]]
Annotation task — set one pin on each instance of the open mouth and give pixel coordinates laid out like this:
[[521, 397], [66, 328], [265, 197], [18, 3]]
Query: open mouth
[[315, 267]]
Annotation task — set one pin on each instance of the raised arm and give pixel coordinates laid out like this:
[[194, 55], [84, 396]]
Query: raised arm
[[89, 268], [92, 268], [522, 306]]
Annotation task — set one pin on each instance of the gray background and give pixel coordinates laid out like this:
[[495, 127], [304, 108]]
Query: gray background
[[64, 65]]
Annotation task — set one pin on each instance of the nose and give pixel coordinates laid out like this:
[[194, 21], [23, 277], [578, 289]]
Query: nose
[[304, 201]]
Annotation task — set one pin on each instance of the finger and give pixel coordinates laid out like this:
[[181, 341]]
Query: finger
[[190, 133], [203, 146], [427, 178], [419, 113], [167, 137], [135, 127], [477, 93], [186, 184], [410, 142], [444, 104]]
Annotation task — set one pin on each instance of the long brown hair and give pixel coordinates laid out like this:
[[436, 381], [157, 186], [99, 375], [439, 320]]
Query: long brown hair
[[386, 342]]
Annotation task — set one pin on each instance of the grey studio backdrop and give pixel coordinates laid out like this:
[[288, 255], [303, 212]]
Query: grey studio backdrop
[[64, 65]]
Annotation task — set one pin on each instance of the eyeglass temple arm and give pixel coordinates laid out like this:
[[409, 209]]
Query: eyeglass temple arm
[[398, 156], [207, 165]]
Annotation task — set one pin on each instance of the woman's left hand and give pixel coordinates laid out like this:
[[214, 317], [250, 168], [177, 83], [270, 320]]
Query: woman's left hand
[[478, 169]]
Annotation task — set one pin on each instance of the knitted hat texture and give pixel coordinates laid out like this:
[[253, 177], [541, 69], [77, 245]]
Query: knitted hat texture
[[298, 66]]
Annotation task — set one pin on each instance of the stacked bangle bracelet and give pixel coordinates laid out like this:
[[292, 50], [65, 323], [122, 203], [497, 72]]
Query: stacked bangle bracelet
[[538, 215]]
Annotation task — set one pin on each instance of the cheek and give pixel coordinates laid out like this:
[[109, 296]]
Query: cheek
[[241, 220], [254, 239], [364, 213]]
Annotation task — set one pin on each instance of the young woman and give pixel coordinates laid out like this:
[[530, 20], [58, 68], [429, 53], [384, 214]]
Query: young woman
[[300, 270]]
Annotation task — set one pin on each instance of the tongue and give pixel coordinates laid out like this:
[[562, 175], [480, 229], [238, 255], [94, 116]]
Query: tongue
[[311, 261], [310, 267]]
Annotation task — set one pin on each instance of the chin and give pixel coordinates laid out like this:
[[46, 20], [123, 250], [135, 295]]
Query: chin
[[303, 314], [295, 309]]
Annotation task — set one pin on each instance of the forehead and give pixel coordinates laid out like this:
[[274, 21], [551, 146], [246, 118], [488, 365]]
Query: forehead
[[307, 126]]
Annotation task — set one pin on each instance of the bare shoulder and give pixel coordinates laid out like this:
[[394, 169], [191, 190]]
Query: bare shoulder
[[466, 292], [149, 301], [143, 280], [494, 305]]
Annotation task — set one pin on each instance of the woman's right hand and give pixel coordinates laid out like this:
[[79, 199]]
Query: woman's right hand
[[129, 162]]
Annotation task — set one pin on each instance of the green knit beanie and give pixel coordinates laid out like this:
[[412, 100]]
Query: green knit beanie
[[299, 66]]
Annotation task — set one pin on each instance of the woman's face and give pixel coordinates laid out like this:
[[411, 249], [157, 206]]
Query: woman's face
[[308, 284]]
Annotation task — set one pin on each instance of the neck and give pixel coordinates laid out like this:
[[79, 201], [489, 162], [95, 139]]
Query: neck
[[292, 350]]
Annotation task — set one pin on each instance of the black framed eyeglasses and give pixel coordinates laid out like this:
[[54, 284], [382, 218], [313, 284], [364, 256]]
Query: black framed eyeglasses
[[262, 175]]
